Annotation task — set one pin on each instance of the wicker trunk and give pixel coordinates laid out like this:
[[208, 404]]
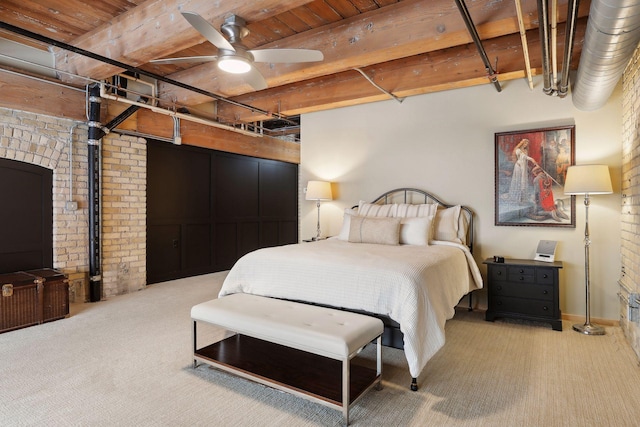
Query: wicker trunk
[[55, 293], [21, 303]]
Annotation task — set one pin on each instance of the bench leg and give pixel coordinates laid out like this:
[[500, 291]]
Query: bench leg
[[414, 384], [345, 389], [195, 362], [379, 362]]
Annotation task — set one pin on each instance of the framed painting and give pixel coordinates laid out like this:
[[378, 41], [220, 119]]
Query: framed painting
[[530, 169]]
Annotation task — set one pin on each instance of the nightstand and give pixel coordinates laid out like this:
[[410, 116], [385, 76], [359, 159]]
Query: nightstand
[[524, 289]]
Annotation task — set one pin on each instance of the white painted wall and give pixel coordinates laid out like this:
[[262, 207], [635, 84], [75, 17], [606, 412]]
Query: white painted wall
[[444, 143]]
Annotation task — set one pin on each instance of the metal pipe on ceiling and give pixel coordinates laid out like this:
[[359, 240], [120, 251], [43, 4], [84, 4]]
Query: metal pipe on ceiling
[[491, 74], [613, 34], [569, 41], [105, 94], [525, 46], [543, 26]]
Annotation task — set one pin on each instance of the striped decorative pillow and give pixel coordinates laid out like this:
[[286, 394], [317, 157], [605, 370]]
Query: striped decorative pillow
[[370, 209], [406, 210]]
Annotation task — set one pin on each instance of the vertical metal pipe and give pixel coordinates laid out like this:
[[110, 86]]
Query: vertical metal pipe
[[570, 34], [95, 134], [543, 25]]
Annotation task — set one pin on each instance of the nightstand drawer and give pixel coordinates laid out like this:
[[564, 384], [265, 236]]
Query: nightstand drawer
[[521, 274], [546, 276], [522, 290], [498, 273], [528, 307]]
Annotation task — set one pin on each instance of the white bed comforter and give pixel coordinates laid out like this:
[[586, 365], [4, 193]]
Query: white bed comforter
[[417, 286]]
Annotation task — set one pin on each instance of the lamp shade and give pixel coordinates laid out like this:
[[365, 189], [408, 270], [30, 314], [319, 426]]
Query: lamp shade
[[588, 179], [318, 190]]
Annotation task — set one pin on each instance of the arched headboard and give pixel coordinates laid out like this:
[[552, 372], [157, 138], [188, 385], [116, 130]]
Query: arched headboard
[[416, 196]]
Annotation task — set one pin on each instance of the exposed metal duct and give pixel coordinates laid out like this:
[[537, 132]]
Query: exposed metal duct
[[613, 33]]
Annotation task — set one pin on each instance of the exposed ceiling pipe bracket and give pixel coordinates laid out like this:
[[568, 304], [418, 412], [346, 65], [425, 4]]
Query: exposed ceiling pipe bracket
[[177, 138]]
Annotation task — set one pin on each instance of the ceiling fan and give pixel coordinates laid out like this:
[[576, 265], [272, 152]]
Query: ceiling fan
[[233, 56]]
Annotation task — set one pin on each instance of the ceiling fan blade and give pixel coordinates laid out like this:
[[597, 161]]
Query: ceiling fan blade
[[184, 59], [207, 30], [287, 55], [254, 79]]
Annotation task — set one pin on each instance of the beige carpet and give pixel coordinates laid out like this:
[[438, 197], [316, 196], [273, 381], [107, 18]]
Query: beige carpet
[[127, 362]]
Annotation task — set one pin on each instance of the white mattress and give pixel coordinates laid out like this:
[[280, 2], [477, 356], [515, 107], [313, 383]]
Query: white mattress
[[417, 286]]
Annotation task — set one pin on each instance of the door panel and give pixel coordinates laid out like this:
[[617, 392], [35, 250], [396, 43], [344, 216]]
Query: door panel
[[217, 206], [26, 216]]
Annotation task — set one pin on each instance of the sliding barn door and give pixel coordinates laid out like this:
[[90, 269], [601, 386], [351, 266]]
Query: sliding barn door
[[207, 208]]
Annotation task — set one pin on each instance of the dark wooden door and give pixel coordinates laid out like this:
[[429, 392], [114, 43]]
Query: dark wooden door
[[205, 209], [26, 216]]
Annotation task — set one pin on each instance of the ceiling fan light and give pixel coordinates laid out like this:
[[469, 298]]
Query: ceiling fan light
[[234, 65]]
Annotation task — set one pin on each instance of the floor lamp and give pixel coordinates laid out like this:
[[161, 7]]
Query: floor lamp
[[587, 180], [318, 191]]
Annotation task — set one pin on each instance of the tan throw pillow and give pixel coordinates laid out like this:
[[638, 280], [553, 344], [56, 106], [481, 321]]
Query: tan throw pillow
[[382, 231]]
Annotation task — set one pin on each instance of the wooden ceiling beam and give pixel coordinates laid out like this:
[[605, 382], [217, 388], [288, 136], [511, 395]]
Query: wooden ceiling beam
[[199, 135], [153, 30], [451, 68], [404, 29], [40, 97]]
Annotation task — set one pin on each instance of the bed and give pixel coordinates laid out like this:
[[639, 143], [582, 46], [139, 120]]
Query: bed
[[405, 257]]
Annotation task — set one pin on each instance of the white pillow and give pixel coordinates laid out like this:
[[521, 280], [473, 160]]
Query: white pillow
[[416, 231], [346, 223], [446, 225], [379, 230], [371, 209], [406, 210]]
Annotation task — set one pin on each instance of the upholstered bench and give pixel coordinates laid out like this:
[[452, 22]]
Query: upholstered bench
[[302, 349]]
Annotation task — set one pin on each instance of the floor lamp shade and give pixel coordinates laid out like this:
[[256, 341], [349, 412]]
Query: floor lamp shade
[[587, 180], [318, 191]]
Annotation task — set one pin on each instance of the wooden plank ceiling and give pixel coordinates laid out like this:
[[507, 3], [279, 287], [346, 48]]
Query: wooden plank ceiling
[[405, 47]]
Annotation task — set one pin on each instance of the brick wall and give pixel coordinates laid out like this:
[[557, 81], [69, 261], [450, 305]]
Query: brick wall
[[124, 204], [630, 188], [45, 141]]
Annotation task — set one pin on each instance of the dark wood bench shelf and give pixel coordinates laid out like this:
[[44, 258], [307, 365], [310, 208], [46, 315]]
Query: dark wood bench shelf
[[298, 371]]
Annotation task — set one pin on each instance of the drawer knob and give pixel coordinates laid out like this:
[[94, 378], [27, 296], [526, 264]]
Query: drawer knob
[[499, 287], [545, 308], [499, 273], [521, 278], [499, 302], [545, 276], [521, 271], [545, 292]]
